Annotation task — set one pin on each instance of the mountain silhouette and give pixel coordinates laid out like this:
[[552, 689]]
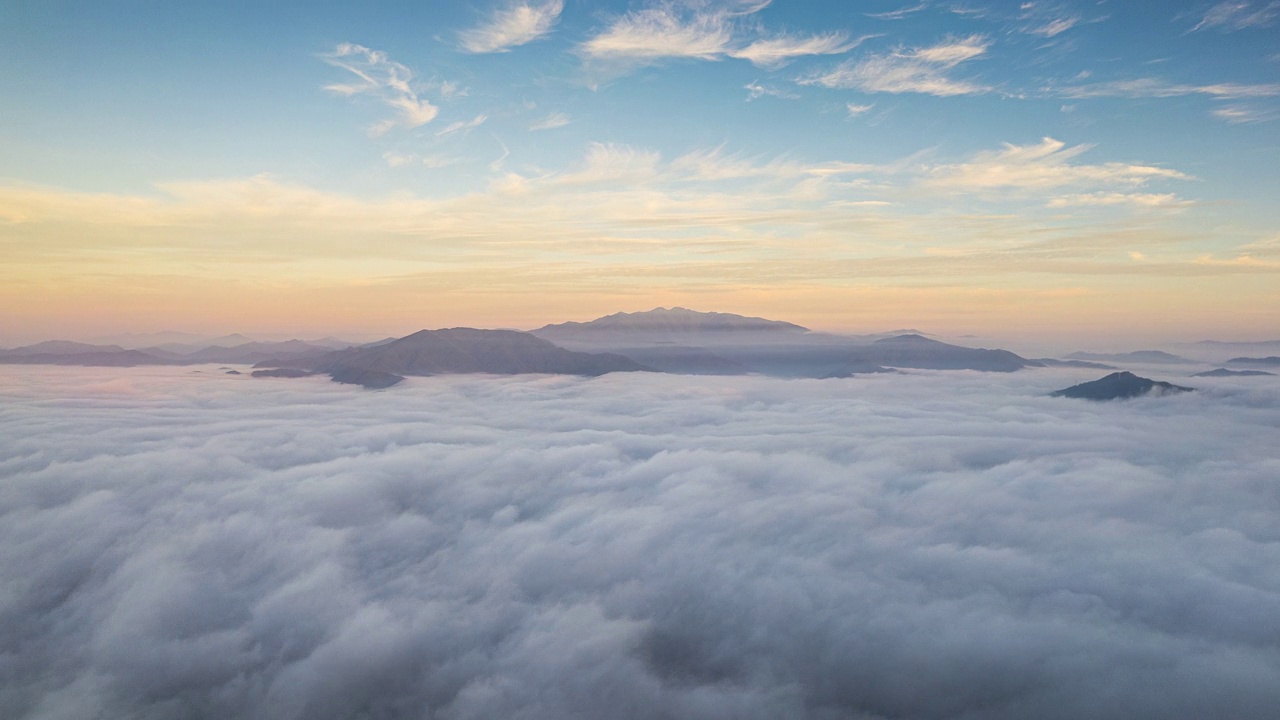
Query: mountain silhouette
[[1119, 386], [1223, 372], [463, 350], [1157, 357], [1270, 361], [670, 320]]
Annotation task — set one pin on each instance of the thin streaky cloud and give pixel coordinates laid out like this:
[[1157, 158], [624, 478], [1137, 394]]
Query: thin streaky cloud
[[551, 122], [1054, 27], [1243, 115], [462, 125], [920, 70], [1159, 88], [1104, 199], [1047, 164], [756, 90], [856, 110], [900, 13], [777, 52], [389, 81], [515, 25], [1231, 16]]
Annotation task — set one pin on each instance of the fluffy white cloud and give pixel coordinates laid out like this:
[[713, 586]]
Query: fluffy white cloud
[[921, 70], [932, 545], [518, 24]]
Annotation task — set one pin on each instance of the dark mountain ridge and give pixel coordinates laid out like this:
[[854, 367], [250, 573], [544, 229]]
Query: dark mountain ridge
[[1120, 386], [1223, 372], [463, 350], [1270, 361], [686, 341], [1158, 357]]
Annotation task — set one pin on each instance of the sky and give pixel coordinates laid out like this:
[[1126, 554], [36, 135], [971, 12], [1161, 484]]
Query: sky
[[1084, 170], [935, 545]]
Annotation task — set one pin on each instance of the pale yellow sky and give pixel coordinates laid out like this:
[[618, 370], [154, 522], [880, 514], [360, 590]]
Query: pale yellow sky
[[831, 246]]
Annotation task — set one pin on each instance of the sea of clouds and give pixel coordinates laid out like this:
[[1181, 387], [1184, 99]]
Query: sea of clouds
[[189, 544]]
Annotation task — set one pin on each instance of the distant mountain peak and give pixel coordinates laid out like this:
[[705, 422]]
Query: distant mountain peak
[[1119, 386], [676, 320], [910, 338]]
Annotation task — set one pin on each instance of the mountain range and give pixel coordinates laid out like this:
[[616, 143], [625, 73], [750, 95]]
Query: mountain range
[[673, 340], [1158, 357], [1223, 372], [1269, 361]]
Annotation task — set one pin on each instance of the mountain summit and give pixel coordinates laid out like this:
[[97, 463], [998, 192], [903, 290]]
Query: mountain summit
[[1120, 386], [672, 320]]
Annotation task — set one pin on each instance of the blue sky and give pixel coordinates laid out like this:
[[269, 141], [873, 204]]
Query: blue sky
[[849, 164]]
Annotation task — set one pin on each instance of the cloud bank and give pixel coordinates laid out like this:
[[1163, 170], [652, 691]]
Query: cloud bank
[[939, 545]]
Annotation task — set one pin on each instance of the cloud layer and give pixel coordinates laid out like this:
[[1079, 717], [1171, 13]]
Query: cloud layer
[[946, 545]]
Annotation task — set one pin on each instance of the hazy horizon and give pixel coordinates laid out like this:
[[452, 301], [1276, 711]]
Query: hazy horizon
[[1047, 342]]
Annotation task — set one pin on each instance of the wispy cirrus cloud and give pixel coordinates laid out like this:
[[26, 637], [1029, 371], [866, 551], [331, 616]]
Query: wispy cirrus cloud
[[462, 125], [756, 90], [389, 81], [1160, 88], [1053, 27], [1045, 165], [517, 24], [1232, 15], [1245, 115], [1046, 19], [919, 70], [1112, 199], [855, 110], [551, 122], [703, 31], [398, 160], [900, 13], [667, 31], [777, 52]]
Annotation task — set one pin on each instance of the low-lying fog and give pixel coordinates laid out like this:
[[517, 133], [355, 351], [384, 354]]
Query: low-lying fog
[[179, 544]]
